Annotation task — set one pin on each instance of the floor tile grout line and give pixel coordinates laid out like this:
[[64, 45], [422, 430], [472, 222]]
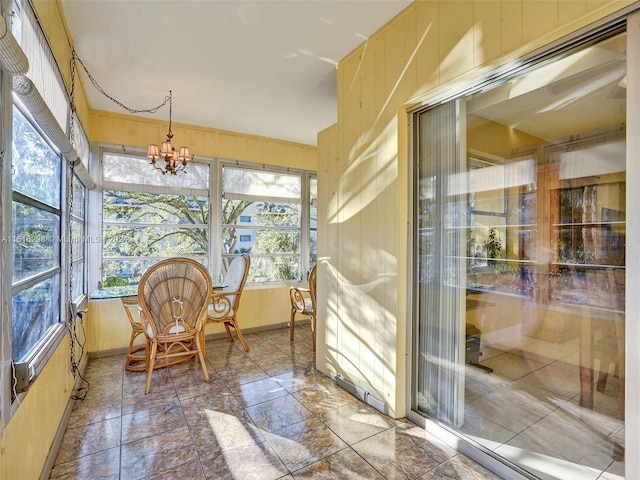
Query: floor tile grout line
[[229, 387]]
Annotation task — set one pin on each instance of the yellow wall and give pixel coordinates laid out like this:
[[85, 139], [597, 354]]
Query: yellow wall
[[327, 248], [139, 132], [30, 432], [108, 327], [428, 49]]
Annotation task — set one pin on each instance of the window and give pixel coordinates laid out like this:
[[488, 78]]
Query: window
[[273, 199], [148, 216], [167, 217], [313, 220], [78, 240], [36, 222], [40, 268]]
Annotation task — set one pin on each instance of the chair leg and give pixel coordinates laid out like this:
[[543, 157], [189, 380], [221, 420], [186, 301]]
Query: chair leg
[[241, 337], [200, 348], [229, 334], [128, 362], [135, 359], [201, 338], [151, 364], [292, 324], [312, 318]]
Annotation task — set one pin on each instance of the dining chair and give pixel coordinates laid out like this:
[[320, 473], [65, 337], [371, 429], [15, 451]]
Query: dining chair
[[226, 302], [136, 358], [303, 301], [174, 295]]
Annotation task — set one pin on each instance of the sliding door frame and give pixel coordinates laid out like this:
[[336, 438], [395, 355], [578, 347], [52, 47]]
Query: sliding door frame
[[627, 20]]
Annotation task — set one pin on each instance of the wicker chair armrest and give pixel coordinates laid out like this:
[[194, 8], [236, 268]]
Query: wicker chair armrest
[[223, 294], [298, 297], [222, 304]]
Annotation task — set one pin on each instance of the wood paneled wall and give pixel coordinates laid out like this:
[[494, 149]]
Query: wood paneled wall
[[428, 49]]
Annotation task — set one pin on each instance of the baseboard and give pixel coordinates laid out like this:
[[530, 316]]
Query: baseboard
[[64, 422], [360, 394]]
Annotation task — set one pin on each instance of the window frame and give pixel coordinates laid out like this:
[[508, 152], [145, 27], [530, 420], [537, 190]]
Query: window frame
[[304, 258], [96, 272], [43, 349], [627, 19]]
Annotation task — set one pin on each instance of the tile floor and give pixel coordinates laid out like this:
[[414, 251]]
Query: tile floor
[[266, 414], [527, 410]]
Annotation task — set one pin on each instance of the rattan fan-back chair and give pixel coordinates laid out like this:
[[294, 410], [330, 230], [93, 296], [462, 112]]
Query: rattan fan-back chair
[[174, 295], [303, 301], [225, 303]]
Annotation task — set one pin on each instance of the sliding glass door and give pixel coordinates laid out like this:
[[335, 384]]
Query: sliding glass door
[[520, 263]]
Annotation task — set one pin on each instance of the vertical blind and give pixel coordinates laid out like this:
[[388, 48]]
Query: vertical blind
[[439, 319], [43, 69]]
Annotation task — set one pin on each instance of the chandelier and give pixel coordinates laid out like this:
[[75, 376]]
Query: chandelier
[[174, 161]]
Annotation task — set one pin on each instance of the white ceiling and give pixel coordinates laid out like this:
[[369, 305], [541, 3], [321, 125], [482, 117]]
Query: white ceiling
[[257, 67]]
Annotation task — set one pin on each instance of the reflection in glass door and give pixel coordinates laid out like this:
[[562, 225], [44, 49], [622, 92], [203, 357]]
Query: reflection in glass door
[[520, 231]]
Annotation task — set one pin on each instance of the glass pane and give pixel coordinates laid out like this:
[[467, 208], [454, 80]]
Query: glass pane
[[78, 205], [260, 184], [260, 213], [36, 241], [273, 269], [77, 280], [135, 241], [36, 167], [261, 241], [129, 271], [313, 220], [35, 311], [150, 226], [313, 247], [136, 207], [276, 214], [521, 271], [77, 240], [138, 170]]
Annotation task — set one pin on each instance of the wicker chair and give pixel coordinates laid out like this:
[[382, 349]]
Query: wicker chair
[[174, 295], [224, 304], [136, 360], [303, 301]]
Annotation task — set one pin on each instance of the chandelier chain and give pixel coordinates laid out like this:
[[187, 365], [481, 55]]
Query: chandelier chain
[[174, 160], [75, 57]]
